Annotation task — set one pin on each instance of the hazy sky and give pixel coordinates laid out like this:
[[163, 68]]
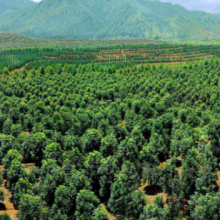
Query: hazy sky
[[205, 5]]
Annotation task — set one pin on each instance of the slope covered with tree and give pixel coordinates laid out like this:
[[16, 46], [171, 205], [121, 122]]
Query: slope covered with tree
[[89, 19], [15, 5]]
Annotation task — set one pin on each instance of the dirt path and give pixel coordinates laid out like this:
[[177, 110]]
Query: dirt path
[[18, 70], [7, 206], [110, 217]]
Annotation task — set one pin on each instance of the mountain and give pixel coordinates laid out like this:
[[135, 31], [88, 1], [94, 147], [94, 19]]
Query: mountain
[[14, 5], [96, 19]]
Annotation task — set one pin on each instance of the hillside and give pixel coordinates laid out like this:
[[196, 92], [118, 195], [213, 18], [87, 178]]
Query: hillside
[[15, 5], [115, 19]]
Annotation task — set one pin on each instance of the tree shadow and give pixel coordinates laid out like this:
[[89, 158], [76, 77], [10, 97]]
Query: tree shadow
[[2, 207], [153, 190], [178, 163]]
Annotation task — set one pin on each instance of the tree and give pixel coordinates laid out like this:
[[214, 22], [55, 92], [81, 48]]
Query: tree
[[92, 164], [192, 119], [128, 151], [185, 145], [205, 183], [5, 217], [37, 146], [33, 72], [2, 196], [48, 166], [86, 204], [120, 132], [16, 130], [91, 140], [155, 210], [138, 137], [190, 172], [205, 207], [100, 214], [23, 186], [80, 180], [169, 180], [109, 145], [41, 70], [31, 207], [65, 195], [74, 157], [7, 127], [5, 107], [148, 155], [125, 183], [158, 142], [7, 160], [107, 171], [65, 201], [6, 71], [14, 114], [70, 142], [15, 172], [54, 151], [59, 69], [136, 205], [49, 184], [7, 142]]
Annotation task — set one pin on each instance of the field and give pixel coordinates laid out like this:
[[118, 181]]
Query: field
[[16, 41], [123, 130]]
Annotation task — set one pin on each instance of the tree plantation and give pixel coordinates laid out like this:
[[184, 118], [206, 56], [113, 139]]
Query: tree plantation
[[111, 142], [111, 53]]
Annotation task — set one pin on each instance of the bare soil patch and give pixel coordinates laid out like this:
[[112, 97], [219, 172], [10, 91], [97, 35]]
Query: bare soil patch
[[7, 206]]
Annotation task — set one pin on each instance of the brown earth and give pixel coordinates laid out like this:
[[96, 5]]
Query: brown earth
[[18, 70], [152, 192], [110, 216], [28, 167], [218, 180], [7, 206]]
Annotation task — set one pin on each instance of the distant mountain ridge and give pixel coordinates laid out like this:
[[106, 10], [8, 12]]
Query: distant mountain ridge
[[115, 19]]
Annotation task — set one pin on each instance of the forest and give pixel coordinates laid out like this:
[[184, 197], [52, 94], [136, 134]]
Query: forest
[[109, 19], [97, 141]]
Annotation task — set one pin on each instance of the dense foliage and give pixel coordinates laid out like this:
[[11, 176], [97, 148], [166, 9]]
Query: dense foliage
[[112, 19], [99, 134]]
